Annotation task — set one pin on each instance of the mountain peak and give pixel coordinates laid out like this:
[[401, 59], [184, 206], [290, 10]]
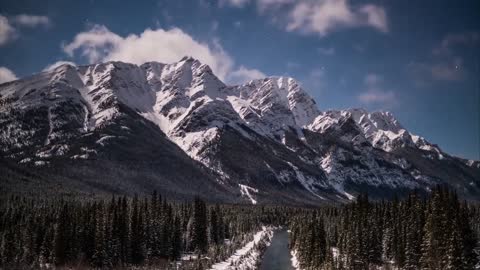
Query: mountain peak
[[278, 95]]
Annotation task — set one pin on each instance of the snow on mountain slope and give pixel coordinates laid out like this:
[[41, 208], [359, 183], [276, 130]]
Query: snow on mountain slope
[[272, 105], [381, 129], [265, 134]]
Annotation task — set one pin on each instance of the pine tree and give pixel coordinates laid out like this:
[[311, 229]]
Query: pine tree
[[176, 241], [214, 230], [100, 256], [199, 236], [123, 231], [454, 251], [319, 243], [468, 238], [414, 234], [137, 244], [61, 238]]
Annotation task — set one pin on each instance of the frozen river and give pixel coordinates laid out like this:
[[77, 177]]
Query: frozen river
[[277, 256]]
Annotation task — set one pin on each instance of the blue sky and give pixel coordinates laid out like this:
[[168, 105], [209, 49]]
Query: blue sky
[[418, 59]]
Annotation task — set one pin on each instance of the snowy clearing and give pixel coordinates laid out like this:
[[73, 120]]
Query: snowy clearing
[[248, 256]]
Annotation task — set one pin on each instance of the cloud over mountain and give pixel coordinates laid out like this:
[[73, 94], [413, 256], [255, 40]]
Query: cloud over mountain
[[101, 44]]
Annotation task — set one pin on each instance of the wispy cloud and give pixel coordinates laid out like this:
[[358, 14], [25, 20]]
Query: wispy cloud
[[292, 65], [450, 41], [243, 74], [8, 25], [445, 63], [326, 51], [57, 64], [376, 94], [237, 24], [426, 73], [31, 20], [318, 17]]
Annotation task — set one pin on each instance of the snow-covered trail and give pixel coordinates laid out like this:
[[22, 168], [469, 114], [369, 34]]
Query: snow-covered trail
[[247, 256]]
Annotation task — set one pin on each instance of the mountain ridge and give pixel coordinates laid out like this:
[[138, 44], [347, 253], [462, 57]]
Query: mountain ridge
[[266, 136]]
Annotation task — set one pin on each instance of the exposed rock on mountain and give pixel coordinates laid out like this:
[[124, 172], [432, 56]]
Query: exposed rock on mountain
[[117, 127]]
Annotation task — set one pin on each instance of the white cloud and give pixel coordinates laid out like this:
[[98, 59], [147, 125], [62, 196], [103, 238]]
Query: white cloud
[[6, 75], [167, 46], [7, 32], [31, 20], [95, 44], [243, 74], [326, 51], [57, 64], [375, 94], [323, 17], [234, 3]]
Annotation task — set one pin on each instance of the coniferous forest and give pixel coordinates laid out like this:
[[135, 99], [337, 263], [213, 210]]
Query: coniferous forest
[[417, 232], [438, 232], [124, 232]]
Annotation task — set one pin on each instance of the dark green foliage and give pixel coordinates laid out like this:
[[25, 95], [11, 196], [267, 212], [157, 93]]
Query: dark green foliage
[[123, 232], [416, 233], [199, 239]]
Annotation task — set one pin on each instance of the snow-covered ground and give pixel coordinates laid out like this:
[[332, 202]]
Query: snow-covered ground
[[248, 256], [295, 262]]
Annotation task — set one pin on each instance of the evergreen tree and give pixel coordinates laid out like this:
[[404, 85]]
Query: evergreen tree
[[199, 236], [61, 238], [454, 251], [137, 245]]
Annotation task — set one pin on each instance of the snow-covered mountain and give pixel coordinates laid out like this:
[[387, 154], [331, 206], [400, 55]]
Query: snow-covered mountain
[[177, 127]]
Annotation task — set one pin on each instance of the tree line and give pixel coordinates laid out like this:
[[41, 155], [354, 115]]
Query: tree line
[[123, 232], [438, 232]]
